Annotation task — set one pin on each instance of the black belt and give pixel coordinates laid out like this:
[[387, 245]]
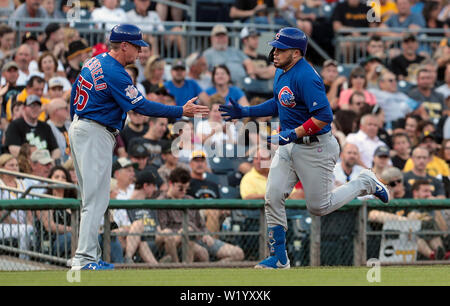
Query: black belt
[[307, 140], [113, 131]]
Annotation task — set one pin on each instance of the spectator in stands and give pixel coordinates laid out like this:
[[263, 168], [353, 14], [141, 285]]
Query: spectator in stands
[[395, 104], [184, 89], [153, 139], [70, 167], [145, 221], [239, 64], [7, 36], [426, 95], [172, 219], [381, 159], [436, 166], [222, 85], [15, 224], [394, 179], [109, 14], [430, 13], [48, 65], [345, 122], [56, 88], [442, 57], [403, 19], [350, 15], [154, 74], [401, 147], [444, 89], [356, 102], [148, 20], [214, 130], [170, 162], [358, 82], [41, 164], [347, 168], [250, 11], [412, 128], [445, 151], [56, 224], [78, 52], [198, 70], [28, 9], [289, 10], [9, 89], [145, 54], [253, 184], [23, 57], [176, 14], [376, 49], [30, 129], [420, 158], [333, 82], [123, 172], [201, 188], [136, 126], [405, 65], [52, 11], [432, 67], [59, 122], [429, 245], [204, 245], [366, 139], [264, 69], [54, 41], [24, 157]]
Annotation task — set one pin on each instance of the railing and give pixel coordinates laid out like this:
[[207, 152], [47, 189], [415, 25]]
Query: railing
[[341, 238]]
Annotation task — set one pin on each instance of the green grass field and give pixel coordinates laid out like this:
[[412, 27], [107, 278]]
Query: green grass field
[[415, 276]]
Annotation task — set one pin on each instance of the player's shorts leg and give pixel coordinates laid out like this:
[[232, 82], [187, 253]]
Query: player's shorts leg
[[92, 148], [314, 164], [282, 179]]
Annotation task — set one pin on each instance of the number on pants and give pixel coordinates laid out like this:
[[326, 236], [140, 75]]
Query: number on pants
[[81, 93]]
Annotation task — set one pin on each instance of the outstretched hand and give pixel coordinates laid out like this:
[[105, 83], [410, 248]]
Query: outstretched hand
[[190, 109], [232, 111]]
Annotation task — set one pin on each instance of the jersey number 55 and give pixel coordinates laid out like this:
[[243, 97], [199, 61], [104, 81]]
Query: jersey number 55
[[82, 96]]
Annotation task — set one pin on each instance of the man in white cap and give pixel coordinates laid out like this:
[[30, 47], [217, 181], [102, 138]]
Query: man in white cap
[[220, 53], [41, 164]]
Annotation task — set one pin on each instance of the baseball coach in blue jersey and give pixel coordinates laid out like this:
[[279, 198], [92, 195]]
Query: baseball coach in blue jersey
[[101, 97], [308, 151]]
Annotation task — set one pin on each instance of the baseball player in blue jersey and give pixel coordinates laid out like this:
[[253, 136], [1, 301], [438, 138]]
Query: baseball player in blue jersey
[[100, 99], [308, 151]]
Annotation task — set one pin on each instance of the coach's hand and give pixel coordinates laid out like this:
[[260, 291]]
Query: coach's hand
[[283, 138], [190, 109], [233, 111]]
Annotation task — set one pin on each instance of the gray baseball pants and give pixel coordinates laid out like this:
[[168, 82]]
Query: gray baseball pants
[[313, 164], [92, 149]]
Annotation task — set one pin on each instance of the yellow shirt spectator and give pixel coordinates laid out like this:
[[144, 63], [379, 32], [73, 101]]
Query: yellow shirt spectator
[[437, 167], [385, 10], [21, 97], [253, 183]]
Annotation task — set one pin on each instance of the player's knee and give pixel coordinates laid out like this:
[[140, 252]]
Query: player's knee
[[274, 195], [317, 211]]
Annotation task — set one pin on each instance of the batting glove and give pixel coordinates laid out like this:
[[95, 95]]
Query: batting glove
[[283, 138], [233, 111]]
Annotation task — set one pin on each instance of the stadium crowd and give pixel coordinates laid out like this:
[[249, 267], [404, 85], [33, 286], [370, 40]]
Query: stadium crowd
[[391, 114]]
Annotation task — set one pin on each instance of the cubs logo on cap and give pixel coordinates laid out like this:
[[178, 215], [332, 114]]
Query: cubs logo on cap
[[286, 97]]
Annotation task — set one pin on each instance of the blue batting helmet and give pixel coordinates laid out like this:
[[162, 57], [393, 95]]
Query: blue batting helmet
[[129, 33], [290, 38]]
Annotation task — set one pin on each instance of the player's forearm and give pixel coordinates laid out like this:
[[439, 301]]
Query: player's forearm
[[268, 108], [301, 131], [154, 109]]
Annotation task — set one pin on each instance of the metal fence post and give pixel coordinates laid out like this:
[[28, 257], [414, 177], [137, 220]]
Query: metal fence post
[[262, 235], [75, 225], [107, 237], [360, 239], [314, 251], [185, 237]]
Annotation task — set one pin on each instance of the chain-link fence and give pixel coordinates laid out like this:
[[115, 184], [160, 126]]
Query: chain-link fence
[[404, 232]]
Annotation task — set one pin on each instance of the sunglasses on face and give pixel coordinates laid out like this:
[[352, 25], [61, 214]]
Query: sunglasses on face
[[359, 76], [395, 183]]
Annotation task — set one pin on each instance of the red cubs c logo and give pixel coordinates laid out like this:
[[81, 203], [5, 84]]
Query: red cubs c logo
[[286, 97]]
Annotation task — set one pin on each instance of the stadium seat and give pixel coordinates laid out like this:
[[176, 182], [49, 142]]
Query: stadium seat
[[220, 165], [221, 180], [214, 10], [228, 192]]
